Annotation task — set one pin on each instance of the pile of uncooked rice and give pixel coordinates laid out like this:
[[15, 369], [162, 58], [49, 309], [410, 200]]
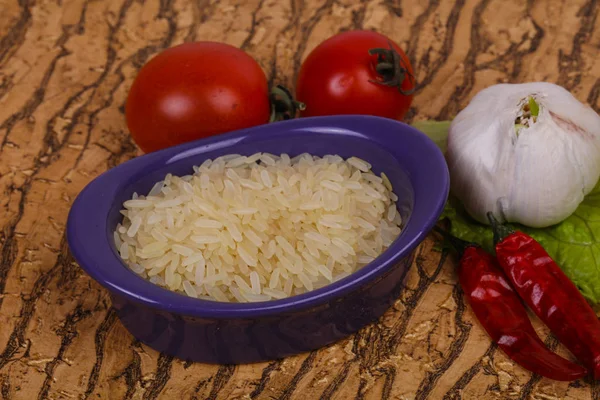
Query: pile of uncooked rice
[[257, 228]]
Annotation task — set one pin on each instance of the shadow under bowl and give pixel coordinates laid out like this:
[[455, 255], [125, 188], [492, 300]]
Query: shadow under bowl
[[232, 333]]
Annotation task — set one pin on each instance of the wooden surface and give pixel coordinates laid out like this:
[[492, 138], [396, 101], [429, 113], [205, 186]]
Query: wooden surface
[[65, 69]]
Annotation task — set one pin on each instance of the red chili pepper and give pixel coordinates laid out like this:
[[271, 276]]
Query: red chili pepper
[[503, 315], [549, 293]]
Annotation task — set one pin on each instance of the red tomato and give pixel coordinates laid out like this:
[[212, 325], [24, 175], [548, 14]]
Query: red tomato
[[195, 90], [340, 77]]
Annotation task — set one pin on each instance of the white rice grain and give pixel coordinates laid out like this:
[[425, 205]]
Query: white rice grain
[[248, 259], [359, 164], [138, 203], [205, 239], [208, 223], [199, 274], [287, 288], [136, 222], [276, 294], [189, 289], [259, 227], [255, 282], [124, 251], [323, 270], [242, 284]]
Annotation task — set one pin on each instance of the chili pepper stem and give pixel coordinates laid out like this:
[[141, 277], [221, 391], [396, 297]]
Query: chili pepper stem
[[459, 245], [501, 231]]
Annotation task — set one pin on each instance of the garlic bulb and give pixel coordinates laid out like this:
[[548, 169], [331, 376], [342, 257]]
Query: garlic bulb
[[527, 152]]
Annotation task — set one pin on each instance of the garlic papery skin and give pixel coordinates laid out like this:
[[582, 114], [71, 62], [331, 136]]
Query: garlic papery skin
[[535, 175]]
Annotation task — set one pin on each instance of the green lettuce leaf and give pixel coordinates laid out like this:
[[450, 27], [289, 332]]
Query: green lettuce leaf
[[435, 130], [574, 243]]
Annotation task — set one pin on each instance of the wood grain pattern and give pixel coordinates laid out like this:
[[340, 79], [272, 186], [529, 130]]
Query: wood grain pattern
[[65, 69]]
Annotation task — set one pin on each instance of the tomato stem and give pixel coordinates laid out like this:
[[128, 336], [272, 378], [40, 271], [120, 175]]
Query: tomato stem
[[392, 68], [283, 105]]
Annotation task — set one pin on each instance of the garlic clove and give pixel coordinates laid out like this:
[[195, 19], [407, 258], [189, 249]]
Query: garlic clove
[[536, 174]]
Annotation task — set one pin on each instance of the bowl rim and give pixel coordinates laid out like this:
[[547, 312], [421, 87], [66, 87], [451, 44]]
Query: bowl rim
[[93, 253]]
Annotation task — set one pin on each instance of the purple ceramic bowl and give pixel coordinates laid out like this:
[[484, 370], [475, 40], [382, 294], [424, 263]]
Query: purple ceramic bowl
[[231, 333]]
